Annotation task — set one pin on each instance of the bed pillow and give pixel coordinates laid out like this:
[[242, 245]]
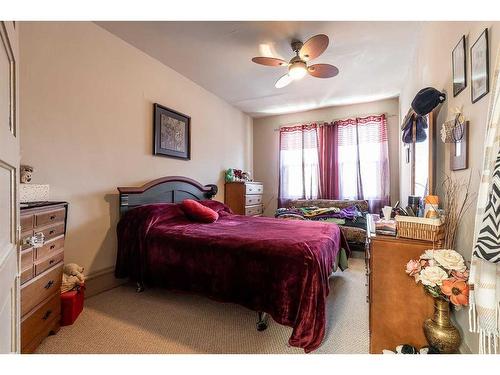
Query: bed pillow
[[198, 212], [218, 207]]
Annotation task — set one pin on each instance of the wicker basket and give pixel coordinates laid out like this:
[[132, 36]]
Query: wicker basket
[[420, 228]]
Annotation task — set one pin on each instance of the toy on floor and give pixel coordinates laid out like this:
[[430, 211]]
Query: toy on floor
[[408, 349], [72, 293], [73, 277]]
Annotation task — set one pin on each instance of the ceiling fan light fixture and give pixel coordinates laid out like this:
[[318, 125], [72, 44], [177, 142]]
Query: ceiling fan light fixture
[[297, 66], [297, 70]]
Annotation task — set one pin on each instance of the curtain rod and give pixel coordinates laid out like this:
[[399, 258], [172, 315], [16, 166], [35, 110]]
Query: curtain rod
[[296, 123]]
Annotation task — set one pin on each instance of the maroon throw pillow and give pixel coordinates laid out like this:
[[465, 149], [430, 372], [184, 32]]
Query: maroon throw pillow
[[196, 211]]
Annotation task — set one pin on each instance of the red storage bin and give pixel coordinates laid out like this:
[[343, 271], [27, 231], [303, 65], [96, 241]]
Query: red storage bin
[[71, 305]]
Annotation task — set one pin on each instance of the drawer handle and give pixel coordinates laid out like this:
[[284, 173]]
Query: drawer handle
[[52, 217], [52, 247], [49, 284], [52, 232], [51, 261], [47, 314], [37, 240]]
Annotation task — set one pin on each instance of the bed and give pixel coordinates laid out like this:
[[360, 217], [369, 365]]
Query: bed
[[272, 266]]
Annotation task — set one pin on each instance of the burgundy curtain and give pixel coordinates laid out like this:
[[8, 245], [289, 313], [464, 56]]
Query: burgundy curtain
[[363, 160], [328, 160]]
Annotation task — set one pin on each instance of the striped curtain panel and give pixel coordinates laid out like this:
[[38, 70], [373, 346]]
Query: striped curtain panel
[[363, 160], [484, 278], [299, 165]]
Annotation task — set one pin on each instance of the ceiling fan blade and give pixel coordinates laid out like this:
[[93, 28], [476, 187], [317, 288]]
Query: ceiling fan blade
[[283, 81], [323, 70], [314, 47], [269, 61]]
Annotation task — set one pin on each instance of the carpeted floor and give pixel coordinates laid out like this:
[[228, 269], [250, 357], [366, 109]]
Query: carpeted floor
[[158, 321]]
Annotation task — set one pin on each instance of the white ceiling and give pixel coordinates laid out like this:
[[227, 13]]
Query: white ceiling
[[373, 58]]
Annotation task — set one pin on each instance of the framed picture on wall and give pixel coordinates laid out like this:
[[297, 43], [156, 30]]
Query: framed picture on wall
[[479, 61], [171, 135], [459, 67]]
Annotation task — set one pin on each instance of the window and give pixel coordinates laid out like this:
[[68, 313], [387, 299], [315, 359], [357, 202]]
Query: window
[[364, 160], [298, 163], [354, 161]]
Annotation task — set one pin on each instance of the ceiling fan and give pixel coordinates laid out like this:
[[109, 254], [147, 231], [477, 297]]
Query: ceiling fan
[[297, 66]]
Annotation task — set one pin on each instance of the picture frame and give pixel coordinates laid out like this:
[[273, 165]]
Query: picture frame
[[480, 74], [459, 67], [171, 133]]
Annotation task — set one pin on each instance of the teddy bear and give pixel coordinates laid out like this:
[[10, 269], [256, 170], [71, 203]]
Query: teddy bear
[[26, 174], [73, 277]]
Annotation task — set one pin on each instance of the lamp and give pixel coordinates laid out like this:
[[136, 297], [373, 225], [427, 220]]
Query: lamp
[[297, 69]]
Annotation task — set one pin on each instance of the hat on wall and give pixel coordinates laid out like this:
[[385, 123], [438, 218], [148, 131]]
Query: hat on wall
[[420, 126], [426, 100]]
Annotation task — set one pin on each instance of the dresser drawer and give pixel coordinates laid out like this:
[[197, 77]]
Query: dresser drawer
[[253, 210], [49, 248], [40, 288], [26, 258], [251, 200], [52, 231], [46, 263], [49, 217], [26, 222], [253, 188], [40, 319], [27, 274]]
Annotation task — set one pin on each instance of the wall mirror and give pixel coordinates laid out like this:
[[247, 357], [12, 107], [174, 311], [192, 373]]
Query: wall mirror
[[422, 156]]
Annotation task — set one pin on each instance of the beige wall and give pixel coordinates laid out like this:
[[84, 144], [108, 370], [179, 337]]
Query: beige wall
[[432, 67], [86, 119], [266, 142]]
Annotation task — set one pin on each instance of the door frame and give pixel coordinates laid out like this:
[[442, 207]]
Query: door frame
[[9, 161]]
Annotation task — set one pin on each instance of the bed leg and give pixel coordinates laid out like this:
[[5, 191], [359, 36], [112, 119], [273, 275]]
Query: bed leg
[[139, 287], [263, 321]]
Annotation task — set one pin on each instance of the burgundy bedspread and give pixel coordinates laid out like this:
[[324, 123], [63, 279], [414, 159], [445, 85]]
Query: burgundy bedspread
[[276, 266]]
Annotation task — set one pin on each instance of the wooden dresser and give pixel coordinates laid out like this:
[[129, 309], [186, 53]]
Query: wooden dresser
[[244, 198], [398, 306], [41, 271]]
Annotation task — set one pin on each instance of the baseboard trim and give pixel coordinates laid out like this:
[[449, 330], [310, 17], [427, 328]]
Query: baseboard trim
[[102, 281]]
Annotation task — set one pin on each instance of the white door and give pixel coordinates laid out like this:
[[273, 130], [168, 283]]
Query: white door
[[9, 209]]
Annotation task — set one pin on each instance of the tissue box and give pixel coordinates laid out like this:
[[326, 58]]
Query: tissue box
[[33, 193]]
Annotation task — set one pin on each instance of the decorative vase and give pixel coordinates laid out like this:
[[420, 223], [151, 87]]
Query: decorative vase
[[439, 331]]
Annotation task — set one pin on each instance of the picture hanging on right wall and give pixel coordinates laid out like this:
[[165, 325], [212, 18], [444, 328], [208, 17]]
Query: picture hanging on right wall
[[459, 67], [479, 59]]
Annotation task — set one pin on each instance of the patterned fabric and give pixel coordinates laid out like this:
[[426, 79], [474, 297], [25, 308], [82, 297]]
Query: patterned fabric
[[363, 205], [488, 239], [484, 279], [352, 234]]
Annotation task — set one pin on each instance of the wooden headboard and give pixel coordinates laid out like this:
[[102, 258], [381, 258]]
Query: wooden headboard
[[172, 189]]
